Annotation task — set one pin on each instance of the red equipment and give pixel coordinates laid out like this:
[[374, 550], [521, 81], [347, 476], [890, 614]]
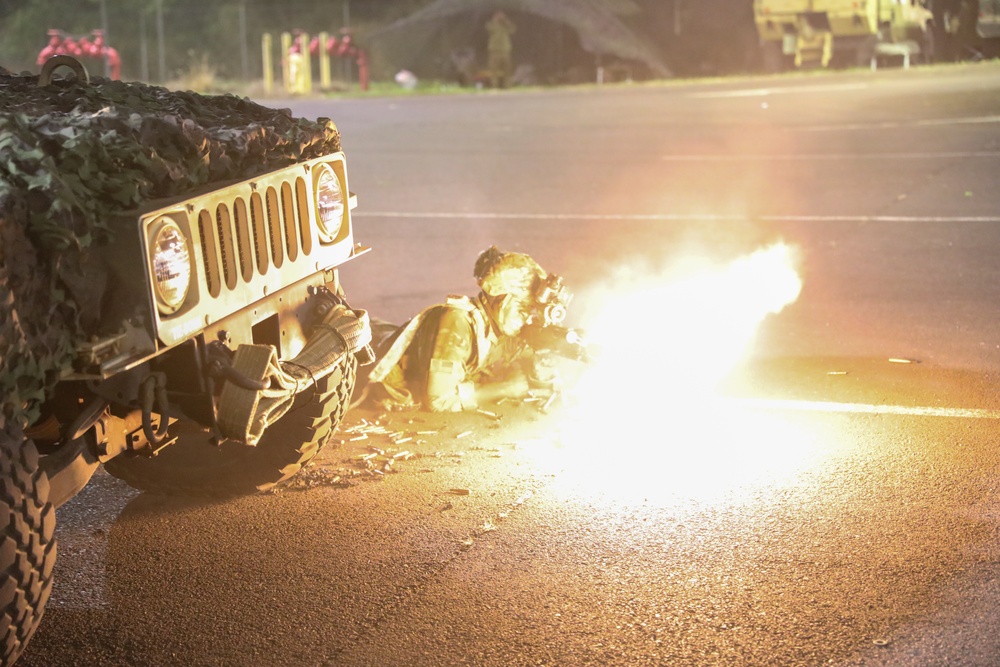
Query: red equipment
[[82, 47], [342, 48]]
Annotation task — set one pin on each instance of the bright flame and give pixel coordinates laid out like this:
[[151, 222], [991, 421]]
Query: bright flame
[[683, 333], [664, 343]]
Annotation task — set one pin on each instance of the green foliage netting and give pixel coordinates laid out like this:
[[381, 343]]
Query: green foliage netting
[[71, 157]]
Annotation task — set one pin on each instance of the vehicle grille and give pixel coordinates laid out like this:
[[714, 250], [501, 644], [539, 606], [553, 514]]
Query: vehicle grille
[[249, 240], [244, 236]]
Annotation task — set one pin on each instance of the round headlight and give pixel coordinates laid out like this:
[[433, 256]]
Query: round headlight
[[171, 261], [329, 204]]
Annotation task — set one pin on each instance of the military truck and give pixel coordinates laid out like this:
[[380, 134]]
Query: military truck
[[171, 303], [967, 29], [988, 24], [824, 33]]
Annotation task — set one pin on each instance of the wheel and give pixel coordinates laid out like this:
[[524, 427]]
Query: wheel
[[772, 58], [193, 466], [865, 52], [928, 47], [28, 546]]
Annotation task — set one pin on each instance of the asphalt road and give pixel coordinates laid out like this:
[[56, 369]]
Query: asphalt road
[[836, 504]]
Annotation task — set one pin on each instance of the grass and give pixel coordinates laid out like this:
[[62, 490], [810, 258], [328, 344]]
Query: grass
[[202, 78]]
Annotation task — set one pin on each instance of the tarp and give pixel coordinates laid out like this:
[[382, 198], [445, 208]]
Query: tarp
[[596, 22]]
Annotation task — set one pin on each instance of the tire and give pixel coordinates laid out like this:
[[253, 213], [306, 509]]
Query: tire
[[27, 545], [772, 58], [865, 52], [928, 47], [193, 466]]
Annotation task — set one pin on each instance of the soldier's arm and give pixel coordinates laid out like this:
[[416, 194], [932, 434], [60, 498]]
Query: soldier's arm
[[448, 385]]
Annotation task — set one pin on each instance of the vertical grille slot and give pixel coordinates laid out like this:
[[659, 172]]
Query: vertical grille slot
[[243, 239], [227, 251], [302, 203], [209, 252], [259, 230], [288, 218], [274, 228]]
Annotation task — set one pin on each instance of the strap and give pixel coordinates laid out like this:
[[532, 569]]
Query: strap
[[244, 414]]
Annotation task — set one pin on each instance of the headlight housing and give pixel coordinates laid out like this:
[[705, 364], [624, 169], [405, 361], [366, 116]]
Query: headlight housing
[[329, 204], [170, 261]]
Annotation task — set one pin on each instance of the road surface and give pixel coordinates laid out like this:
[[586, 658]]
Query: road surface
[[836, 502]]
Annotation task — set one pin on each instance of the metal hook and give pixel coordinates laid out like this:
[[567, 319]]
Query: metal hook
[[153, 393]]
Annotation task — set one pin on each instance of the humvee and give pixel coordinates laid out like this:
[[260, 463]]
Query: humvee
[[171, 304]]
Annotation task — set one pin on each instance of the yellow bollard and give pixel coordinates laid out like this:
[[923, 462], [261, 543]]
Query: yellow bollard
[[286, 74], [324, 62], [265, 48], [306, 65]]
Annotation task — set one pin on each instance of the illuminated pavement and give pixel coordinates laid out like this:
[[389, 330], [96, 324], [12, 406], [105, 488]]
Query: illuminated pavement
[[837, 503]]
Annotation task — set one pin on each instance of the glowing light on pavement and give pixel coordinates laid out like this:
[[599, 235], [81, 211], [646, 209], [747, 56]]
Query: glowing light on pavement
[[864, 408], [663, 344]]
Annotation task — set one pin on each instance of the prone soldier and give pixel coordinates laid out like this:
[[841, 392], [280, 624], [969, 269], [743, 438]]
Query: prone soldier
[[470, 351]]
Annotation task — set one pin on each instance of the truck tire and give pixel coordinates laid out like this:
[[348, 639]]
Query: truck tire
[[865, 52], [928, 47], [772, 58], [193, 466], [27, 545]]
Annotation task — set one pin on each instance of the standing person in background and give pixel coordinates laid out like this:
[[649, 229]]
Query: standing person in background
[[499, 47]]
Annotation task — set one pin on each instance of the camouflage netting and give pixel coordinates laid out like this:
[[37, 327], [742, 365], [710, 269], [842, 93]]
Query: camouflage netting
[[71, 156], [596, 22]]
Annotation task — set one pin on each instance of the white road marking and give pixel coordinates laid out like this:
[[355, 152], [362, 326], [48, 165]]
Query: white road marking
[[766, 92], [662, 217], [889, 125], [865, 408], [831, 156], [959, 121]]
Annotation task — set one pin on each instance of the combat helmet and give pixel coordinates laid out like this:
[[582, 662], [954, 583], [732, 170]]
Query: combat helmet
[[498, 273]]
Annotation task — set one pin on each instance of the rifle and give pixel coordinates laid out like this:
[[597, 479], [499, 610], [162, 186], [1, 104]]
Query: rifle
[[557, 339]]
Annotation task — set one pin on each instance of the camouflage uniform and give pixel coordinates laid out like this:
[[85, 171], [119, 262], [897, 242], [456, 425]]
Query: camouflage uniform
[[499, 47], [443, 355]]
